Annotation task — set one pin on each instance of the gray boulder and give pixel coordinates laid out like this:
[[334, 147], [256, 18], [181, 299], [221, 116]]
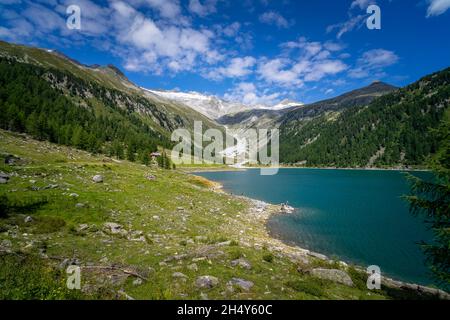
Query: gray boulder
[[115, 228], [241, 263], [179, 275], [193, 267], [206, 282], [4, 178], [334, 275], [11, 159], [97, 178], [241, 283], [82, 227]]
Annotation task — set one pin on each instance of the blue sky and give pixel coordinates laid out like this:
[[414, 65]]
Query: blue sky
[[252, 51]]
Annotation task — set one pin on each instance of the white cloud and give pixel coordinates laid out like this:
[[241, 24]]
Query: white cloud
[[372, 62], [355, 21], [379, 58], [248, 94], [167, 8], [310, 61], [274, 18], [279, 72], [362, 4], [202, 10], [155, 46], [347, 26], [44, 19], [437, 7], [238, 67], [232, 29]]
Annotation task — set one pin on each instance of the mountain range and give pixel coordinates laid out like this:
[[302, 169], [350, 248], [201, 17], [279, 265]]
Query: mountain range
[[215, 107], [53, 97]]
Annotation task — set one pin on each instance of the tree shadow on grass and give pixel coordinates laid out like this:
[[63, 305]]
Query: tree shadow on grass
[[22, 206]]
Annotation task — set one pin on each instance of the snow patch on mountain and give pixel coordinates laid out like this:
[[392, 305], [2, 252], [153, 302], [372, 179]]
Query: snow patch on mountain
[[212, 106]]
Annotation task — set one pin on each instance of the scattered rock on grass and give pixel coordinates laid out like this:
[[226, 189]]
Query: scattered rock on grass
[[115, 228], [69, 262], [193, 267], [82, 227], [97, 178], [28, 219], [206, 282], [334, 275], [241, 263], [11, 159], [241, 283], [179, 275], [4, 176]]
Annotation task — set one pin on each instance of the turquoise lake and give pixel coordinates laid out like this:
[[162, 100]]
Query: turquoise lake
[[356, 216]]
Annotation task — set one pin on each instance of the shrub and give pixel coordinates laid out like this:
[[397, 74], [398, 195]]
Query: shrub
[[26, 277], [359, 278], [48, 224], [268, 257], [3, 206], [311, 287], [236, 254]]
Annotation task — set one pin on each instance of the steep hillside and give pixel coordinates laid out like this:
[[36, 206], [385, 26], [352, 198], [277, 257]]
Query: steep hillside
[[256, 118], [209, 106], [53, 97], [217, 108], [393, 130], [296, 112], [359, 97]]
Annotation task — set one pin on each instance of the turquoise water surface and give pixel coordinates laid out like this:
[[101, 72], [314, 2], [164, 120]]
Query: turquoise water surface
[[354, 215]]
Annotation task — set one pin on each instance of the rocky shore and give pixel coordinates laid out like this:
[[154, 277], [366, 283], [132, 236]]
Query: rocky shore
[[260, 212]]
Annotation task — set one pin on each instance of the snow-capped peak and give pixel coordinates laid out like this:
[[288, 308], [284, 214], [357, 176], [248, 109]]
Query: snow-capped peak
[[286, 104], [212, 106]]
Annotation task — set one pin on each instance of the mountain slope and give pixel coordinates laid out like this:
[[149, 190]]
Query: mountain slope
[[393, 130], [53, 97], [209, 106], [359, 97], [255, 118], [216, 108], [292, 111]]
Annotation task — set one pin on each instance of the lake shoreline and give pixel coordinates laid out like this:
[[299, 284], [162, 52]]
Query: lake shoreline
[[263, 211], [234, 169]]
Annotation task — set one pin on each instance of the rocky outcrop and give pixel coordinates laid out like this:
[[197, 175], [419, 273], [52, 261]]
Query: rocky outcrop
[[206, 282], [241, 263], [97, 178], [241, 284], [115, 229], [334, 275]]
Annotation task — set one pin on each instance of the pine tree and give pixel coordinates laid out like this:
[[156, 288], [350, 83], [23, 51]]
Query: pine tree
[[144, 156], [432, 200]]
